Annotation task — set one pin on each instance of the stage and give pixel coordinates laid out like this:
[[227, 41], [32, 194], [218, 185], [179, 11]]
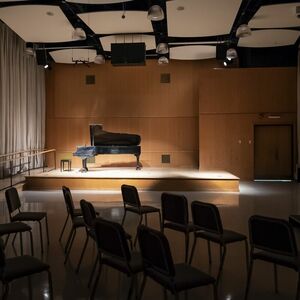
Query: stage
[[155, 179]]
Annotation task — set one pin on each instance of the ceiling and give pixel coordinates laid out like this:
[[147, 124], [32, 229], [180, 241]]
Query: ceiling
[[193, 29]]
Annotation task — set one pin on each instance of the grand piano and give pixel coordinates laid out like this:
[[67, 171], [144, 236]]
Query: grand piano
[[104, 142]]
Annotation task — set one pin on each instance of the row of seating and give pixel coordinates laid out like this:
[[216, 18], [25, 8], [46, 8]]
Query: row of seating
[[271, 240]]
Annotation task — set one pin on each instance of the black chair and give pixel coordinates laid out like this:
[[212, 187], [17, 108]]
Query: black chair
[[294, 220], [20, 266], [175, 215], [77, 211], [114, 252], [273, 240], [16, 215], [77, 222], [132, 203], [208, 225], [159, 265], [16, 228]]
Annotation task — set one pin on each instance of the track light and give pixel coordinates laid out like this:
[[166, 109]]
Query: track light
[[46, 66], [99, 59], [163, 60], [162, 48], [155, 13], [78, 34], [243, 31], [231, 54]]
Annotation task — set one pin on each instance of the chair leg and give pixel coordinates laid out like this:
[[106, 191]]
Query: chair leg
[[5, 291], [21, 243], [69, 239], [29, 287], [96, 282], [6, 240], [222, 259], [82, 252], [70, 247], [275, 278], [47, 229], [160, 223], [298, 288], [248, 279], [41, 237], [93, 271], [124, 216], [209, 252], [130, 287], [247, 254], [187, 244], [193, 249], [146, 220], [143, 286], [63, 229], [140, 222], [50, 285], [215, 291], [31, 243], [13, 241]]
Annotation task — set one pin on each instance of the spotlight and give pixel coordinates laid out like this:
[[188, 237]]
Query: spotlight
[[225, 63], [155, 13], [243, 31], [46, 66], [99, 59], [78, 34], [231, 54], [163, 60], [162, 48]]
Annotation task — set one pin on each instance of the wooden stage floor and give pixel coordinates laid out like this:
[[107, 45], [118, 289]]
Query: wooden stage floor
[[155, 179]]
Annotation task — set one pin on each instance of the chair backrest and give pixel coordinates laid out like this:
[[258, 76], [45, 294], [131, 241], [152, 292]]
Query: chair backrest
[[155, 251], [206, 216], [88, 213], [12, 199], [273, 235], [111, 239], [68, 200], [130, 195], [174, 208]]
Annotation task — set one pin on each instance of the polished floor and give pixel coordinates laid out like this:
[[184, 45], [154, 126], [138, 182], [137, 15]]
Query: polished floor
[[272, 199]]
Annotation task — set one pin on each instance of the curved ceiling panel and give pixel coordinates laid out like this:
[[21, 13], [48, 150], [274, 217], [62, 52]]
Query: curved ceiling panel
[[270, 38], [70, 56], [106, 22], [37, 23], [149, 40], [192, 18], [276, 16], [193, 52]]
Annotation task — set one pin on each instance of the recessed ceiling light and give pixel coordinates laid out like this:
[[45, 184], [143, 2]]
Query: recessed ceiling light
[[180, 8], [50, 13]]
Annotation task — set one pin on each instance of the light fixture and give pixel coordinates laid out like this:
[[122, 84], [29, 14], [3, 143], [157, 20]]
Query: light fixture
[[162, 48], [163, 60], [231, 54], [243, 31], [46, 66], [99, 59], [29, 51], [155, 13], [78, 34], [225, 63]]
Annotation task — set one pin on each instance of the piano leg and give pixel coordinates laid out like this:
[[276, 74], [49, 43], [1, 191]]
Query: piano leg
[[84, 166], [138, 164]]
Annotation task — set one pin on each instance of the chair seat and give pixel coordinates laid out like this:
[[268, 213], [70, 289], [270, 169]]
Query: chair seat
[[283, 260], [14, 227], [186, 277], [29, 216], [180, 227], [227, 237], [136, 263], [144, 209], [21, 266], [78, 222], [77, 212]]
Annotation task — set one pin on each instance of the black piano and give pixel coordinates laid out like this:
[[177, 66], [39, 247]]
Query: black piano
[[104, 142]]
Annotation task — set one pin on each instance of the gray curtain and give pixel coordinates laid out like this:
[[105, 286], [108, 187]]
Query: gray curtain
[[22, 96], [298, 111]]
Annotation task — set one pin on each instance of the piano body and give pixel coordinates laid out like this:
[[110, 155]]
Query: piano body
[[104, 142]]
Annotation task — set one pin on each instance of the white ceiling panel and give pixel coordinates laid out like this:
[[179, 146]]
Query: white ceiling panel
[[276, 16], [67, 56], [270, 38], [149, 40], [193, 52], [37, 23], [192, 18], [98, 1], [107, 22]]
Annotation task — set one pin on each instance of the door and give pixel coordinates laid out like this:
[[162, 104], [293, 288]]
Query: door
[[273, 152]]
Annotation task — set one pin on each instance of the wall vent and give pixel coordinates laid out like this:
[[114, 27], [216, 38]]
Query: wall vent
[[166, 158], [90, 79], [165, 78]]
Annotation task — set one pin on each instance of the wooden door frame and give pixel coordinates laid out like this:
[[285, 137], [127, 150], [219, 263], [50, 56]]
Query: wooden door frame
[[291, 125]]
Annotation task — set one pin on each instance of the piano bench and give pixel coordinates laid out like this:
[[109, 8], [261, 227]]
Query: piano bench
[[62, 164]]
